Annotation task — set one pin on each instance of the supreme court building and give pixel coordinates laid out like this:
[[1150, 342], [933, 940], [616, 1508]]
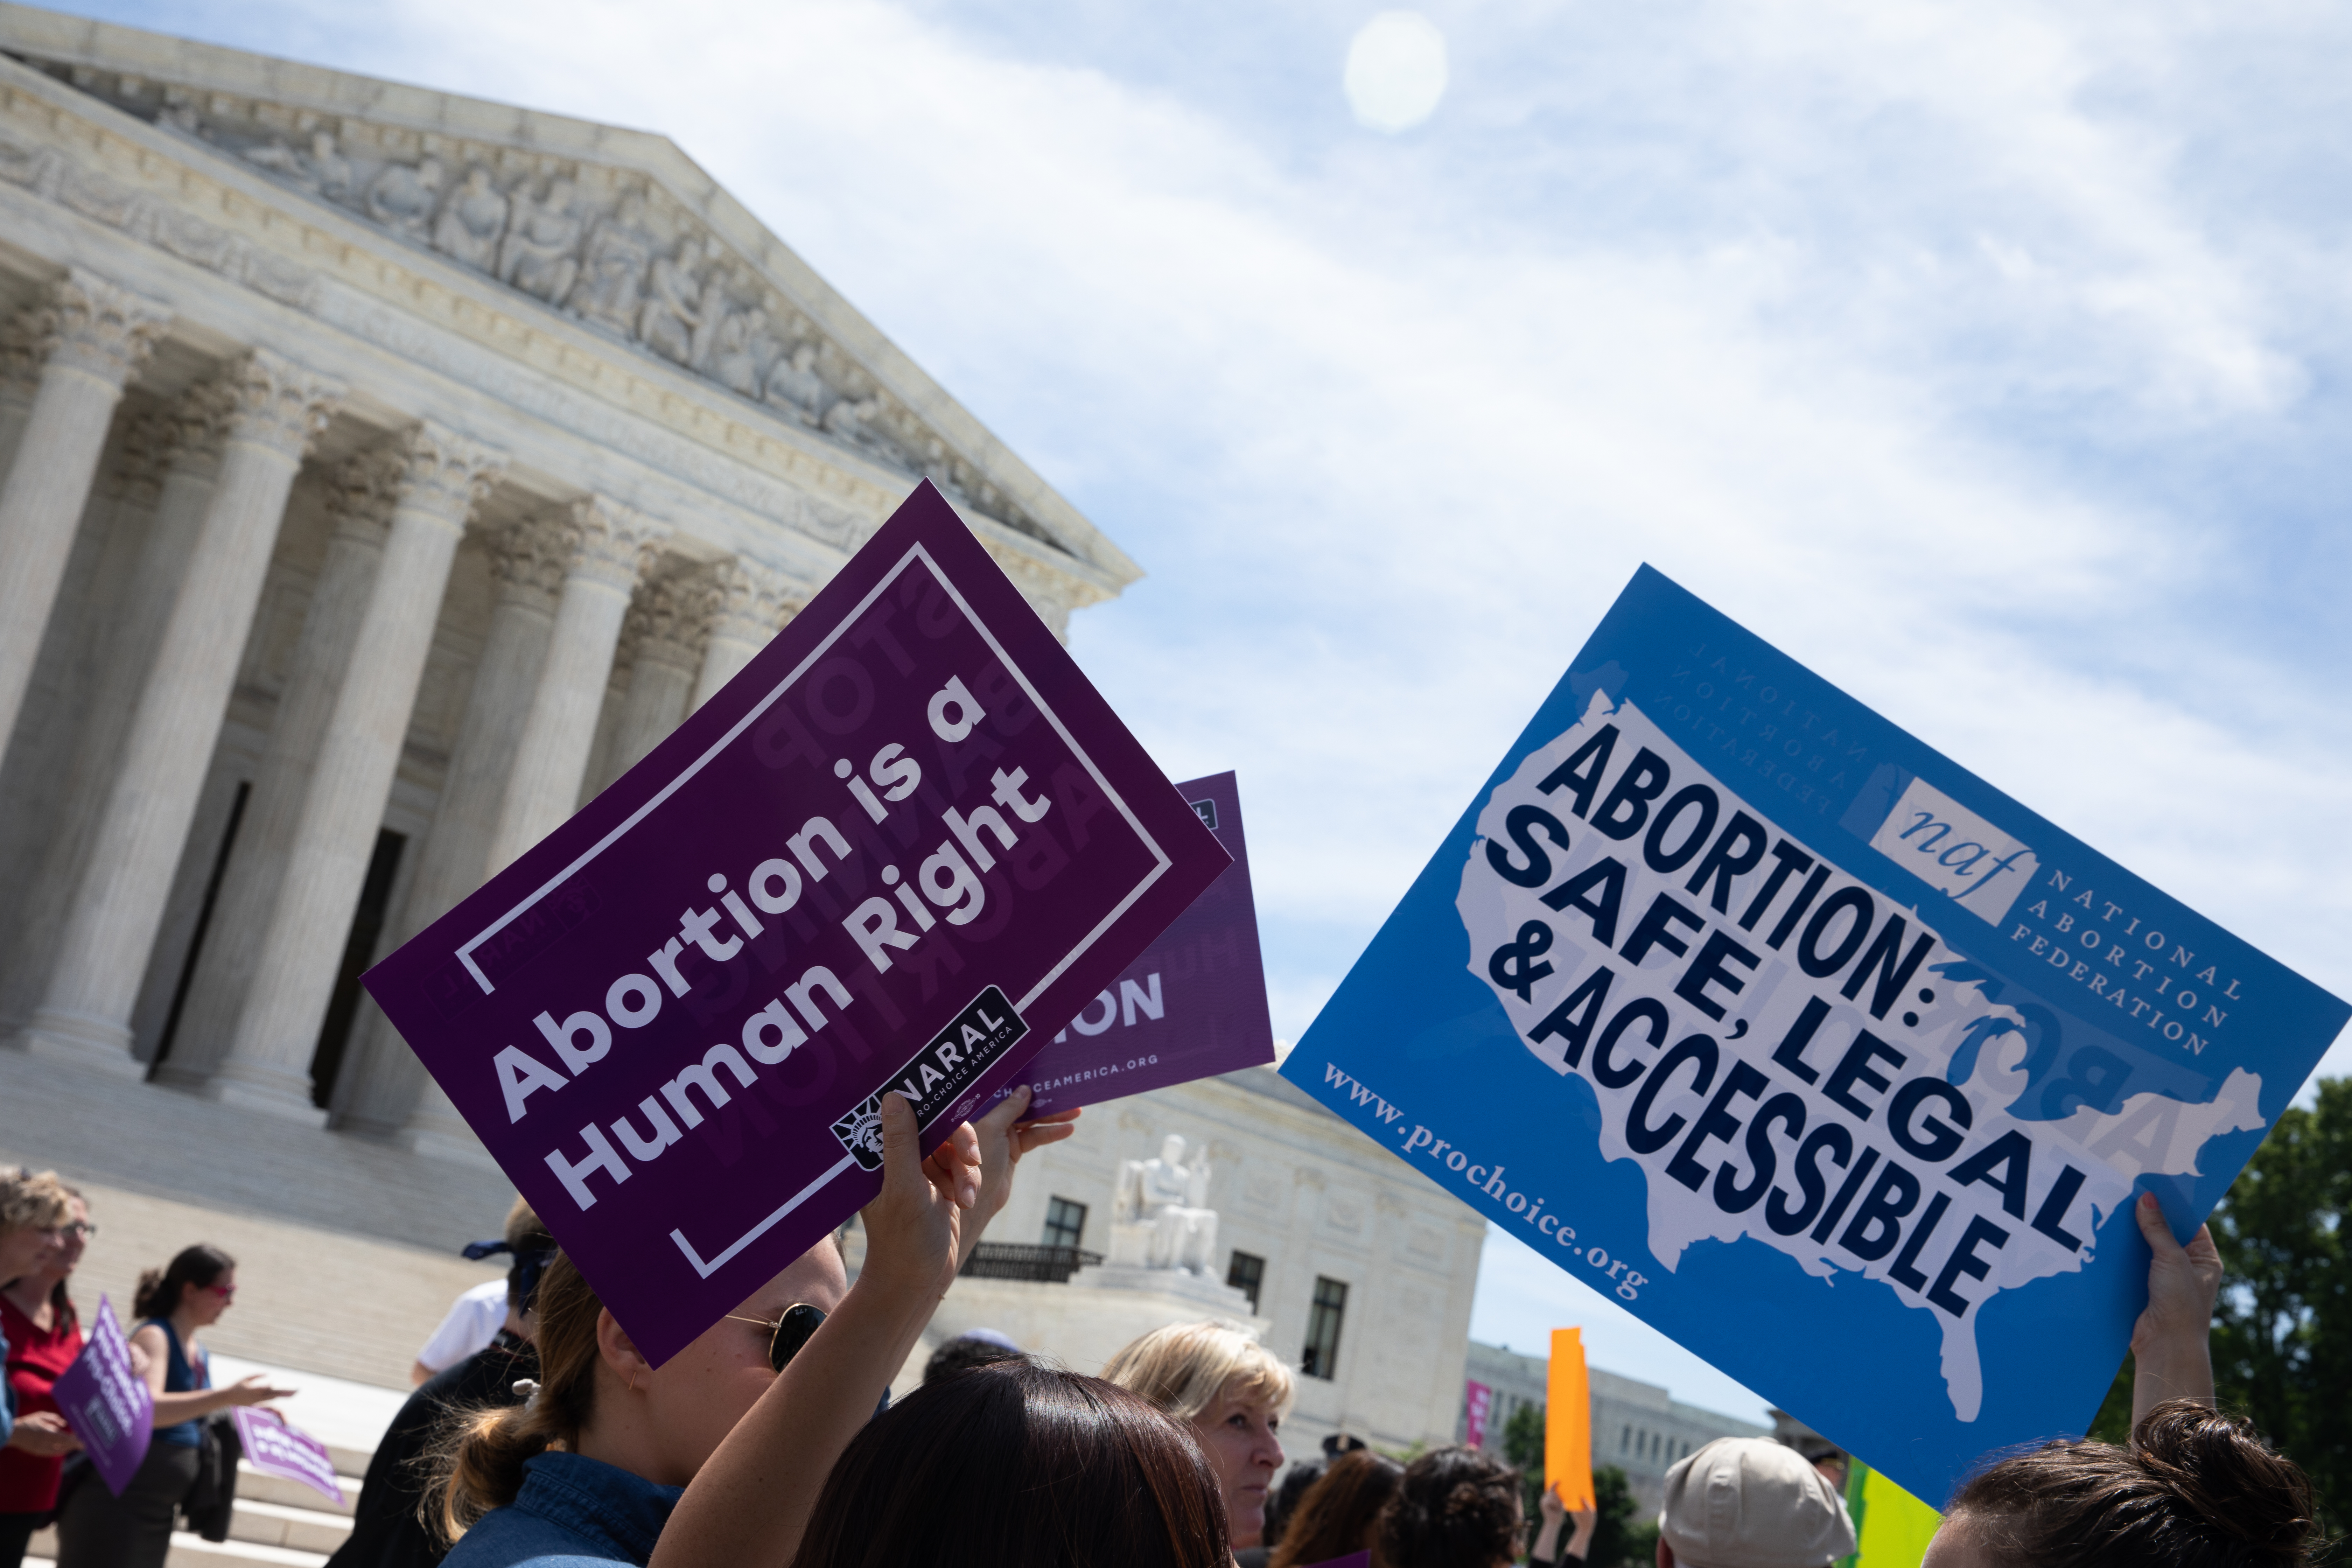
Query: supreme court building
[[382, 473], [385, 472]]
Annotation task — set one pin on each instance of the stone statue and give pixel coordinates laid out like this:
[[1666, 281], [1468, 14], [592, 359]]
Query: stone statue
[[671, 312], [472, 221], [735, 353], [1161, 1217], [847, 421], [402, 198], [536, 254], [323, 169], [794, 387], [713, 310], [612, 267]]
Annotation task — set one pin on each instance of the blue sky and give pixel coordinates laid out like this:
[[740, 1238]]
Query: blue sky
[[1989, 359]]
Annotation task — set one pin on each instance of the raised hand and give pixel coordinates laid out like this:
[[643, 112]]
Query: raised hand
[[1005, 1137], [914, 1225], [2172, 1354]]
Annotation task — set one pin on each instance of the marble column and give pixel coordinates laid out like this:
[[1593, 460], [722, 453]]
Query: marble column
[[527, 576], [611, 545], [442, 476], [749, 604], [361, 506], [20, 379], [277, 408], [93, 334], [192, 429], [667, 628]]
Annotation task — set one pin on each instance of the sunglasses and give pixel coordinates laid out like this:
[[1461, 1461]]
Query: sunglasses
[[226, 1292], [79, 1230], [788, 1333]]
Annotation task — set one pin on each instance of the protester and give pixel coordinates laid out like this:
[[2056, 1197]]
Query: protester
[[1281, 1504], [1454, 1507], [1751, 1502], [36, 1213], [1340, 1512], [718, 1454], [2196, 1490], [388, 1530], [98, 1529], [978, 1347], [472, 1321], [2195, 1487], [1019, 1466], [1234, 1392], [1548, 1552]]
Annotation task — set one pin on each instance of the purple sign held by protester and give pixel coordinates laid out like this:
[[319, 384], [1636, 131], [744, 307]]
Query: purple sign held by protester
[[904, 842], [1192, 1007], [277, 1448], [109, 1406]]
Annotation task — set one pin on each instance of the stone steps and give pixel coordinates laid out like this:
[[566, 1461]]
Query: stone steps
[[278, 1523], [281, 1523]]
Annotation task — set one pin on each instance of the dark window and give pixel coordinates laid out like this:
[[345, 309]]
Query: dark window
[[1066, 1222], [1246, 1273], [1625, 1440], [1322, 1357]]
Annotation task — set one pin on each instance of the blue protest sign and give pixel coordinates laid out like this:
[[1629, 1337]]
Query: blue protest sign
[[1818, 1052]]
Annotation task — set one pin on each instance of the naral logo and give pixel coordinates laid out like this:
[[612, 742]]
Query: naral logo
[[938, 1076]]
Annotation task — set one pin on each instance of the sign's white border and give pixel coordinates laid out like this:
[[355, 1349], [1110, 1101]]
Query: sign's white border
[[1160, 860]]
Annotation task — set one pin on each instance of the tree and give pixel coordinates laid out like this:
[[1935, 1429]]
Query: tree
[[2282, 1325], [1523, 1445], [1620, 1540]]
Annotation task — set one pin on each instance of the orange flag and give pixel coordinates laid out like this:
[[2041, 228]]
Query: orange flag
[[1568, 1422]]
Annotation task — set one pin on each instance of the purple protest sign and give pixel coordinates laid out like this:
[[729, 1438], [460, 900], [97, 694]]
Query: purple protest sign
[[904, 837], [1193, 1004], [109, 1406], [275, 1447]]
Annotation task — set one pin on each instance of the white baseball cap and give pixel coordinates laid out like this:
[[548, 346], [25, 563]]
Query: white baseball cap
[[1749, 1503]]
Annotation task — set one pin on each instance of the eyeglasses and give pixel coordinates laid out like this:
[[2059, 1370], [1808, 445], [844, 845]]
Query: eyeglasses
[[788, 1333], [79, 1230], [226, 1292]]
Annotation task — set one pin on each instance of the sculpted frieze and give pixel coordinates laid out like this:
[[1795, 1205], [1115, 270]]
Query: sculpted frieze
[[603, 246]]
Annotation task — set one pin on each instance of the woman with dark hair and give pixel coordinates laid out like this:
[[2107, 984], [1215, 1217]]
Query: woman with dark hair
[[1340, 1512], [2195, 1488], [99, 1529], [1455, 1508], [1020, 1466]]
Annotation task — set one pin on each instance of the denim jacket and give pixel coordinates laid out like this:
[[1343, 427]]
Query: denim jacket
[[572, 1512]]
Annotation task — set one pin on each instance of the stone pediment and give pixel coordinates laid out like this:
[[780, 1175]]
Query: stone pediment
[[616, 230]]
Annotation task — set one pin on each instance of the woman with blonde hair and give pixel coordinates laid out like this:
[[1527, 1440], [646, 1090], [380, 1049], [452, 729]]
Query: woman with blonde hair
[[1232, 1391], [40, 1335]]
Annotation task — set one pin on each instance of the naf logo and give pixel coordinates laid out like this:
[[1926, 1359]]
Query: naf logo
[[939, 1075]]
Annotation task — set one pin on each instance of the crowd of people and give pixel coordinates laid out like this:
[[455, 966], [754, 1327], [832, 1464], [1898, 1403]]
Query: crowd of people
[[554, 1442]]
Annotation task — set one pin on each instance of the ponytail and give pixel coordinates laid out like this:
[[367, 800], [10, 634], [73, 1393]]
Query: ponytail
[[160, 1290], [479, 1456]]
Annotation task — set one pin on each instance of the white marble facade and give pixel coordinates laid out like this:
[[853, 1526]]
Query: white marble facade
[[375, 461], [1314, 1203]]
